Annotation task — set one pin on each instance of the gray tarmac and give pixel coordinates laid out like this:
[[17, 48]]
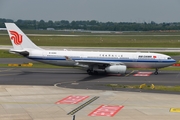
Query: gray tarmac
[[79, 79], [15, 60], [38, 103], [31, 94], [66, 77]]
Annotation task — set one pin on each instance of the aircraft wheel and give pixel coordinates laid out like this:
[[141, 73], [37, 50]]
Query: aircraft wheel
[[156, 72], [89, 72], [95, 72]]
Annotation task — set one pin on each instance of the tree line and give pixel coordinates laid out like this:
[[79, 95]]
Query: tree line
[[92, 25]]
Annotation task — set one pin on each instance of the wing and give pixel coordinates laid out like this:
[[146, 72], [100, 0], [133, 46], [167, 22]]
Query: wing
[[93, 67], [90, 62]]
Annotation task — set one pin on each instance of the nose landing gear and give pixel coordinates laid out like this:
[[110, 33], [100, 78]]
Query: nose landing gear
[[156, 71]]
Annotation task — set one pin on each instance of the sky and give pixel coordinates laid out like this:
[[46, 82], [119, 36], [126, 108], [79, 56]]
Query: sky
[[101, 10]]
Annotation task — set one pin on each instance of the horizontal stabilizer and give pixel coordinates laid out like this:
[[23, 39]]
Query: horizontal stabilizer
[[21, 52]]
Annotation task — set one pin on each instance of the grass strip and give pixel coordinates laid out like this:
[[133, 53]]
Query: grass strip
[[6, 54], [35, 65], [102, 41], [146, 87]]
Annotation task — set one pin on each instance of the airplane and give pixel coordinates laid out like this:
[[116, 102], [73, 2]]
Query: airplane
[[93, 62]]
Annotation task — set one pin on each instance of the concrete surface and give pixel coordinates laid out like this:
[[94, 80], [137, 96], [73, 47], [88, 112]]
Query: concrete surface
[[38, 103]]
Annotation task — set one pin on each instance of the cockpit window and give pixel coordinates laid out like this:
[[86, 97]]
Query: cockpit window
[[169, 58]]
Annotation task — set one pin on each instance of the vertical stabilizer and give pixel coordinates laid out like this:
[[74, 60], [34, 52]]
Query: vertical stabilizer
[[19, 40]]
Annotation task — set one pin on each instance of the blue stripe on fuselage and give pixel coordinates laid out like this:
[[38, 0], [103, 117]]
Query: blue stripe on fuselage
[[105, 59]]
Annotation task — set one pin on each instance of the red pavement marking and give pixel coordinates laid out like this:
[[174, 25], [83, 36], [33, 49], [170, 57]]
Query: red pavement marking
[[176, 64], [72, 99], [143, 74], [106, 110]]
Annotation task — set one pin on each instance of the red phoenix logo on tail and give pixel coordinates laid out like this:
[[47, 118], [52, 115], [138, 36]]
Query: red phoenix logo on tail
[[16, 37]]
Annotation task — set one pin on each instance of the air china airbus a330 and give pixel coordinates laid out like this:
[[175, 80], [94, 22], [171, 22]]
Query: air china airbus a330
[[94, 62]]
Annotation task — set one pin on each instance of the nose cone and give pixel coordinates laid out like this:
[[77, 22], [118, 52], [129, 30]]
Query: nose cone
[[170, 61], [173, 61]]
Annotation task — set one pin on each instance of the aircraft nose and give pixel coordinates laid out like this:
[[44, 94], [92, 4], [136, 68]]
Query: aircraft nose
[[174, 60]]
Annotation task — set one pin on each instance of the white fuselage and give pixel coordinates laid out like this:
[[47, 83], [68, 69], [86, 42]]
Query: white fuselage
[[108, 62], [130, 59]]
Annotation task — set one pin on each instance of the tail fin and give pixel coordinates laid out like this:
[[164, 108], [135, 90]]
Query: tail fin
[[19, 40]]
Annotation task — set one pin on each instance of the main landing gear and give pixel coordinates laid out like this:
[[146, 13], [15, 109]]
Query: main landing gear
[[156, 71], [91, 72]]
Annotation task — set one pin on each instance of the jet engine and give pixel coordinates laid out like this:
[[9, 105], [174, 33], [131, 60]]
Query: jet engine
[[116, 69]]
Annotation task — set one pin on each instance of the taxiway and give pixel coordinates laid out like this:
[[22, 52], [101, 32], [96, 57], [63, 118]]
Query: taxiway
[[79, 79]]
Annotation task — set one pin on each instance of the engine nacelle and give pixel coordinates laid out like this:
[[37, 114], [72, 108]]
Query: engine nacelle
[[116, 69]]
